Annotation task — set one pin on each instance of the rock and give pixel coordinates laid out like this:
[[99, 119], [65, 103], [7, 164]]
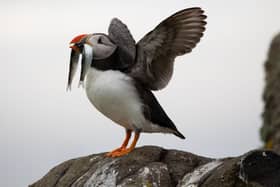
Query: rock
[[270, 131], [153, 174], [155, 166]]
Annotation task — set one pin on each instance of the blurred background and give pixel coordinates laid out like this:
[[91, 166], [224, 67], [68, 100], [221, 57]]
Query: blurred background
[[214, 98]]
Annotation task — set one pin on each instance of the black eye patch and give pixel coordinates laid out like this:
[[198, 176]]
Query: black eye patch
[[99, 40]]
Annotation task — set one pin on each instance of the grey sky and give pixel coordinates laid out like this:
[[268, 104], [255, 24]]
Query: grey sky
[[214, 97]]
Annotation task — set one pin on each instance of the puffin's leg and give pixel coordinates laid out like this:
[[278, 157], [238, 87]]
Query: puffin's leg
[[128, 150], [124, 144]]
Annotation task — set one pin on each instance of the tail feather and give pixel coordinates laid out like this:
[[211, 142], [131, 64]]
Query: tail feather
[[180, 135]]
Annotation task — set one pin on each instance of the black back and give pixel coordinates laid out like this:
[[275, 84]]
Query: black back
[[113, 62]]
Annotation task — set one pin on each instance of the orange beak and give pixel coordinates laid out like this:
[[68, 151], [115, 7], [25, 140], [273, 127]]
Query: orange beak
[[75, 40], [74, 47]]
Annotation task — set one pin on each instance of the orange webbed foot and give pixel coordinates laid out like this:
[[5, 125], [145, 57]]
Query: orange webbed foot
[[121, 153], [115, 151], [123, 150]]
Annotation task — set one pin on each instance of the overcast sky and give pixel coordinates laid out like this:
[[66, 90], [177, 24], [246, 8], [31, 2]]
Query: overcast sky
[[214, 97]]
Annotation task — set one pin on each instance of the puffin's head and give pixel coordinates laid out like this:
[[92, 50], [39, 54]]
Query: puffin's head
[[91, 47]]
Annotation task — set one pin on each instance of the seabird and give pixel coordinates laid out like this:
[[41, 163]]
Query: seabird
[[120, 74]]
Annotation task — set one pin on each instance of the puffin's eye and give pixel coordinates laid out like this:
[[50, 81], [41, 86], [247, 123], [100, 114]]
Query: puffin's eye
[[99, 40]]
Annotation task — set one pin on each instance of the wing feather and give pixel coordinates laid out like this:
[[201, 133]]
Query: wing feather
[[120, 35], [156, 51]]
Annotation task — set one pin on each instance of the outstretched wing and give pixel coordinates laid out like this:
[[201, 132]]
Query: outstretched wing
[[156, 51], [120, 35]]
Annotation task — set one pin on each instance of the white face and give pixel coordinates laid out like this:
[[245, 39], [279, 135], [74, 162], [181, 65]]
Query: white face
[[96, 47], [101, 46]]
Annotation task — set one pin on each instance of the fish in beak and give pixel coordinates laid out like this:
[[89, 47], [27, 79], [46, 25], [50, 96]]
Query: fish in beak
[[74, 59], [76, 45], [79, 47], [87, 59]]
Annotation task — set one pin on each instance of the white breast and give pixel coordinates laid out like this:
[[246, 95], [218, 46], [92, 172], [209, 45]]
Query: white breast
[[114, 95]]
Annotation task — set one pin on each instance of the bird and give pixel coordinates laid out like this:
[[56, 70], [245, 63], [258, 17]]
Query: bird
[[120, 75]]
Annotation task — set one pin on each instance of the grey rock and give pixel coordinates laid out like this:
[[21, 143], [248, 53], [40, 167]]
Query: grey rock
[[200, 174], [153, 174], [155, 166], [270, 131]]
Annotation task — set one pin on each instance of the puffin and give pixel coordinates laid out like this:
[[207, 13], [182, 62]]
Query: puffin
[[119, 74]]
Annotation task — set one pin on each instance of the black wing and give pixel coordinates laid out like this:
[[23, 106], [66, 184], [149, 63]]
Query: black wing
[[156, 51], [120, 35]]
